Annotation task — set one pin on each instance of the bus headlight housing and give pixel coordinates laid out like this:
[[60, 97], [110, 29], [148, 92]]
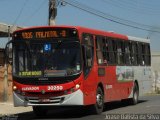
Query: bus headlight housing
[[73, 89]]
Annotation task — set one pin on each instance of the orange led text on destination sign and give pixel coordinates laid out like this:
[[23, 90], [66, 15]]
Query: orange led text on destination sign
[[27, 35], [45, 34]]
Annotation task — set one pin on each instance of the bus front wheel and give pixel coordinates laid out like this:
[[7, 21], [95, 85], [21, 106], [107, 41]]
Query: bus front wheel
[[98, 107]]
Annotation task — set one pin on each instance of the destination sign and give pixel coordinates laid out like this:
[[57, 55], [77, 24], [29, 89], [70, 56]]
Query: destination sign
[[45, 33]]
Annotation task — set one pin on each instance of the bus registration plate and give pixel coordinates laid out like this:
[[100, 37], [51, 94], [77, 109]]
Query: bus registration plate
[[44, 100]]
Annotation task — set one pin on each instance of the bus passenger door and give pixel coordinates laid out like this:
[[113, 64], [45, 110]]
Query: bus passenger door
[[88, 70]]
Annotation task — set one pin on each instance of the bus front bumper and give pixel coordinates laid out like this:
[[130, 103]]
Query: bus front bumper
[[75, 98]]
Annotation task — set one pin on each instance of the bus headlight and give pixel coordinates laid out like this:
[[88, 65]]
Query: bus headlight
[[77, 86], [14, 87]]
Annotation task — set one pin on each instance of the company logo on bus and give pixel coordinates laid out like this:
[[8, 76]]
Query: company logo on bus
[[30, 88]]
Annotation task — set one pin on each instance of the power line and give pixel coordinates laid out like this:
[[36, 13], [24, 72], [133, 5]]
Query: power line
[[21, 10], [139, 4], [33, 14], [110, 17], [133, 6]]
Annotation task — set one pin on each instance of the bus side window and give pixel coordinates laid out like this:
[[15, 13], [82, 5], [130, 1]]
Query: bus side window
[[99, 50], [135, 53], [140, 54], [131, 53], [127, 53], [120, 52], [108, 51], [143, 54], [114, 48], [147, 54]]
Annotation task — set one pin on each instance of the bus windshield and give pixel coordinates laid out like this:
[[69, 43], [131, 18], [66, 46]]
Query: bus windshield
[[46, 59]]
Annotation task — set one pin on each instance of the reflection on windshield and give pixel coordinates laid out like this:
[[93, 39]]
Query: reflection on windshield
[[48, 59]]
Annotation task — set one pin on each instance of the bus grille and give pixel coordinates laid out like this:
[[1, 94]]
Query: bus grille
[[46, 101]]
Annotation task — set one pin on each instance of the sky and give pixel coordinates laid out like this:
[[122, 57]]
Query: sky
[[35, 13]]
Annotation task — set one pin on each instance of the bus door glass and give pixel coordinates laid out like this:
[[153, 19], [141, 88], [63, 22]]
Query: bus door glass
[[87, 49]]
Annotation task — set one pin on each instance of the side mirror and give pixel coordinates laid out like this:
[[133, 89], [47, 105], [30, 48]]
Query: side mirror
[[2, 57]]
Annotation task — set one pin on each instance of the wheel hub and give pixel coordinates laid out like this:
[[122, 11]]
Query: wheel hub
[[99, 100]]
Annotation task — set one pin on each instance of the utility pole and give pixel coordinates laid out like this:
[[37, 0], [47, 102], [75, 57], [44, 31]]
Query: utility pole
[[5, 82], [52, 12]]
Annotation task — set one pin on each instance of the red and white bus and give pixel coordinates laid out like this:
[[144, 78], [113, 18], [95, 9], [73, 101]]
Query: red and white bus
[[77, 66]]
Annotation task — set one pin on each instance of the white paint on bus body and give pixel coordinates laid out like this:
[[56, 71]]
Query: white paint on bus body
[[138, 39]]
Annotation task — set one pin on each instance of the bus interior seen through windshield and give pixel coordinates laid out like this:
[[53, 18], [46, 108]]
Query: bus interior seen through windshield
[[46, 59]]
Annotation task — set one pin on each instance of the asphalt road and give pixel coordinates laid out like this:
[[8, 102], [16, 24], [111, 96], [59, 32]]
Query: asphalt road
[[147, 108]]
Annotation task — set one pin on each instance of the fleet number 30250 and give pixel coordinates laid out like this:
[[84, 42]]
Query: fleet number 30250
[[52, 88]]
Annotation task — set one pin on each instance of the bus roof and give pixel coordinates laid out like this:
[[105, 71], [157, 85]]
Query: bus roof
[[92, 31], [139, 39]]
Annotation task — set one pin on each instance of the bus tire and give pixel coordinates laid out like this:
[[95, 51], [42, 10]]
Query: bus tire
[[98, 107], [134, 100], [39, 111]]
